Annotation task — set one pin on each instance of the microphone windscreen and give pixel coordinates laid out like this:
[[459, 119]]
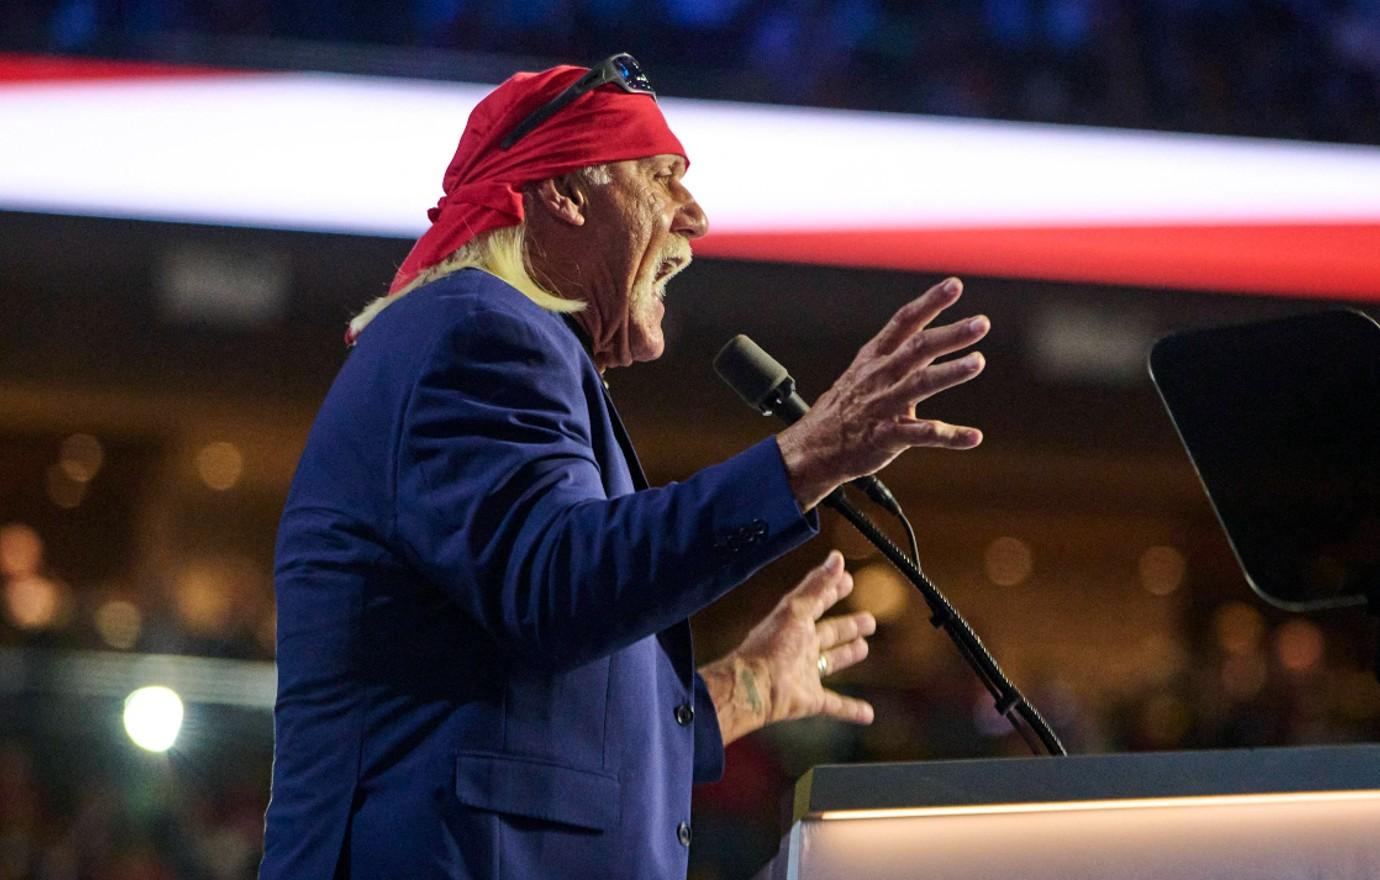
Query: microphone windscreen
[[749, 370]]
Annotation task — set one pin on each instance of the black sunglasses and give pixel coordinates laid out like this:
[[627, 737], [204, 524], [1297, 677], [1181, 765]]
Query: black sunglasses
[[622, 70]]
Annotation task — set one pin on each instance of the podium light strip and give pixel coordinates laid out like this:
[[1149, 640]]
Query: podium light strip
[[1114, 804], [364, 155]]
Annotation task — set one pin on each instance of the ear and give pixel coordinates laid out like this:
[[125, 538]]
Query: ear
[[564, 198]]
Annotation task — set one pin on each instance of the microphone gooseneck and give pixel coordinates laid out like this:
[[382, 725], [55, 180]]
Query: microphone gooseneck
[[765, 385]]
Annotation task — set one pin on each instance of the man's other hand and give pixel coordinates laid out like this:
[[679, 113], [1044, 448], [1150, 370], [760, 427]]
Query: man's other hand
[[867, 417], [776, 675]]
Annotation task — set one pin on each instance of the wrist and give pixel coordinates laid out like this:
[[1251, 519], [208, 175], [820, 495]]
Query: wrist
[[740, 689], [806, 471]]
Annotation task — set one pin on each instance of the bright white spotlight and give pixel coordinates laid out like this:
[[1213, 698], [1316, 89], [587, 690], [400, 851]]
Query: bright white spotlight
[[153, 716]]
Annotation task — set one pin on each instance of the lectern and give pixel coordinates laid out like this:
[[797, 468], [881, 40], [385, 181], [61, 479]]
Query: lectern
[[1251, 814]]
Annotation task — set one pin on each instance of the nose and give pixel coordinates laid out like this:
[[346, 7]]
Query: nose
[[690, 220]]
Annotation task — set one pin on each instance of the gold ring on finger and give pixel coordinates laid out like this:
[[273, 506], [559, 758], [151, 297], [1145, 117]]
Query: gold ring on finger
[[822, 664]]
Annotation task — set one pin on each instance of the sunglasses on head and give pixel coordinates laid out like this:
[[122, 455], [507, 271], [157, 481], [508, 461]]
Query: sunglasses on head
[[621, 70]]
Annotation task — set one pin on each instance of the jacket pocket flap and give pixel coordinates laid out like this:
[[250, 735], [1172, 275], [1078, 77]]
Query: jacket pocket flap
[[506, 784]]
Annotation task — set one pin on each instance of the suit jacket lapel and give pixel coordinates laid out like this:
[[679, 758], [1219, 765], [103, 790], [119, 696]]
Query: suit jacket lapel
[[639, 476], [675, 641]]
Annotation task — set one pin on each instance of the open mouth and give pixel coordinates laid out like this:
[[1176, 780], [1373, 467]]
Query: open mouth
[[668, 268], [674, 258]]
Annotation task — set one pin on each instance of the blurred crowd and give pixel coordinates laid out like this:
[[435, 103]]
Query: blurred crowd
[[1274, 68], [82, 806], [76, 807], [78, 801]]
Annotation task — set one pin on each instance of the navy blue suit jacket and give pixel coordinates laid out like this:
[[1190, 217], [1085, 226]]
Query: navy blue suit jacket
[[484, 665]]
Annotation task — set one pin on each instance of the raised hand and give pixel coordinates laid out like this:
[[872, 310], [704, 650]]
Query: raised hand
[[867, 417], [776, 673]]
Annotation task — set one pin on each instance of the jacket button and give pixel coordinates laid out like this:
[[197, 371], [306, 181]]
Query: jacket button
[[683, 833], [685, 713]]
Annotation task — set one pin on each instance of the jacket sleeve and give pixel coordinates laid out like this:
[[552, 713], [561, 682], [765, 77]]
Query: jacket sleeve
[[500, 502]]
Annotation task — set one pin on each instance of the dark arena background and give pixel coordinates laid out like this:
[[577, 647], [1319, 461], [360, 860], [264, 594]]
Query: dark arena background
[[196, 197]]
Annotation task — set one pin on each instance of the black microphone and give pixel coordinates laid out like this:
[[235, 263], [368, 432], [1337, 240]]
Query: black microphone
[[763, 383]]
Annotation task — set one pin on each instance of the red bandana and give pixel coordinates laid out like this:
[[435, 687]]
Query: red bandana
[[483, 183]]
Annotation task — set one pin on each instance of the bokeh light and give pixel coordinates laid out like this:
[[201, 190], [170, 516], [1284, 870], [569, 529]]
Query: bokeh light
[[1161, 570], [153, 717], [81, 457], [1299, 645], [21, 550], [882, 590], [64, 491], [1239, 628], [119, 623], [1008, 561], [33, 602], [220, 465], [204, 597]]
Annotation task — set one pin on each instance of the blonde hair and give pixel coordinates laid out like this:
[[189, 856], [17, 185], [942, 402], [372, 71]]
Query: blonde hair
[[500, 252]]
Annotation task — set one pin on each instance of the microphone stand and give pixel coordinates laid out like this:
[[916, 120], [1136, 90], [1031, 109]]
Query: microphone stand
[[1010, 703], [765, 385]]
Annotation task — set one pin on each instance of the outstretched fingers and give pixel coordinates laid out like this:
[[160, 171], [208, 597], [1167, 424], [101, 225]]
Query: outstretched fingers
[[929, 381], [936, 434], [846, 655], [924, 347], [839, 630], [822, 587], [836, 705], [916, 314]]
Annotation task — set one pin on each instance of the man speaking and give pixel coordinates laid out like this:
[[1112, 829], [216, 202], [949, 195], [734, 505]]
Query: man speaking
[[484, 660]]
